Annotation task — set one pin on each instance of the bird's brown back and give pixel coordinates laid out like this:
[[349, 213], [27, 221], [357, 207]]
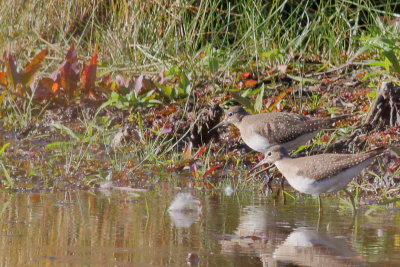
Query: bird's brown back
[[283, 127], [323, 166]]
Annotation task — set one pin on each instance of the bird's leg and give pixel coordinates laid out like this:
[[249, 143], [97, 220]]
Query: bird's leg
[[351, 199], [319, 220], [284, 197], [283, 183], [267, 187], [319, 204]]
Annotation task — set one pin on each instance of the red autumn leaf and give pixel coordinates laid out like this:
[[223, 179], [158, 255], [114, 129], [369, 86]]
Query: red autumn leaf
[[27, 75], [246, 75], [89, 74], [201, 150], [68, 75], [12, 72], [250, 83], [324, 139], [210, 170]]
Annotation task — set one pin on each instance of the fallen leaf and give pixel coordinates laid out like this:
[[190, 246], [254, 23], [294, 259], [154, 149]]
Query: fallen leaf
[[250, 83], [210, 170], [201, 150], [201, 55], [360, 74], [246, 75]]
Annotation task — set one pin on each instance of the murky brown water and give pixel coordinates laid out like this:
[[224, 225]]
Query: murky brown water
[[135, 229]]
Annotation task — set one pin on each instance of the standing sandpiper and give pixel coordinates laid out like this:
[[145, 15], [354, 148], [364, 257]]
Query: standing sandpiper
[[322, 173], [261, 131]]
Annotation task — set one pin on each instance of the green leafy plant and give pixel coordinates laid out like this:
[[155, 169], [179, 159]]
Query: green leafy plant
[[389, 51]]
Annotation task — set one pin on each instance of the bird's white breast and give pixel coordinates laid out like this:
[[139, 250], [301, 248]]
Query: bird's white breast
[[257, 142], [300, 183]]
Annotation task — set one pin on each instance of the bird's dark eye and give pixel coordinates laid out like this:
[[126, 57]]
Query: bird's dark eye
[[230, 114], [269, 153]]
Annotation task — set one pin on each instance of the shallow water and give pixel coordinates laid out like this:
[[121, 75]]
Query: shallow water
[[135, 229]]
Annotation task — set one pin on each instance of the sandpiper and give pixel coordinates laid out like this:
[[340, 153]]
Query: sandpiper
[[322, 173], [261, 131]]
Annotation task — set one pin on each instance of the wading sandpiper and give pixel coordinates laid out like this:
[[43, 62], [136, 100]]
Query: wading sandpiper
[[322, 173]]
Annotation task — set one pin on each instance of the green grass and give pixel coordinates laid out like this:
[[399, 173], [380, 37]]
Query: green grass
[[146, 36]]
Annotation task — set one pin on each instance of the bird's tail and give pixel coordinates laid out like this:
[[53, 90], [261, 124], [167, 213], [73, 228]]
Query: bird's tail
[[377, 151], [342, 117]]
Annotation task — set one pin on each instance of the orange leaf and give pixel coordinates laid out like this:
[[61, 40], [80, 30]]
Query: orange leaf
[[324, 139], [250, 83], [55, 87], [3, 79], [187, 152], [201, 55], [210, 170], [27, 75], [89, 73], [360, 74]]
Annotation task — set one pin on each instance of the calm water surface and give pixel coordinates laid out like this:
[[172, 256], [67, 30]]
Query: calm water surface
[[135, 229]]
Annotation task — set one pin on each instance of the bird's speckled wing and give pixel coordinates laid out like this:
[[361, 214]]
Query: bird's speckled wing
[[323, 166], [286, 127]]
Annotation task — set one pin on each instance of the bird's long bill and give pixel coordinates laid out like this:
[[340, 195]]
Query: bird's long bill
[[216, 126], [258, 165]]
